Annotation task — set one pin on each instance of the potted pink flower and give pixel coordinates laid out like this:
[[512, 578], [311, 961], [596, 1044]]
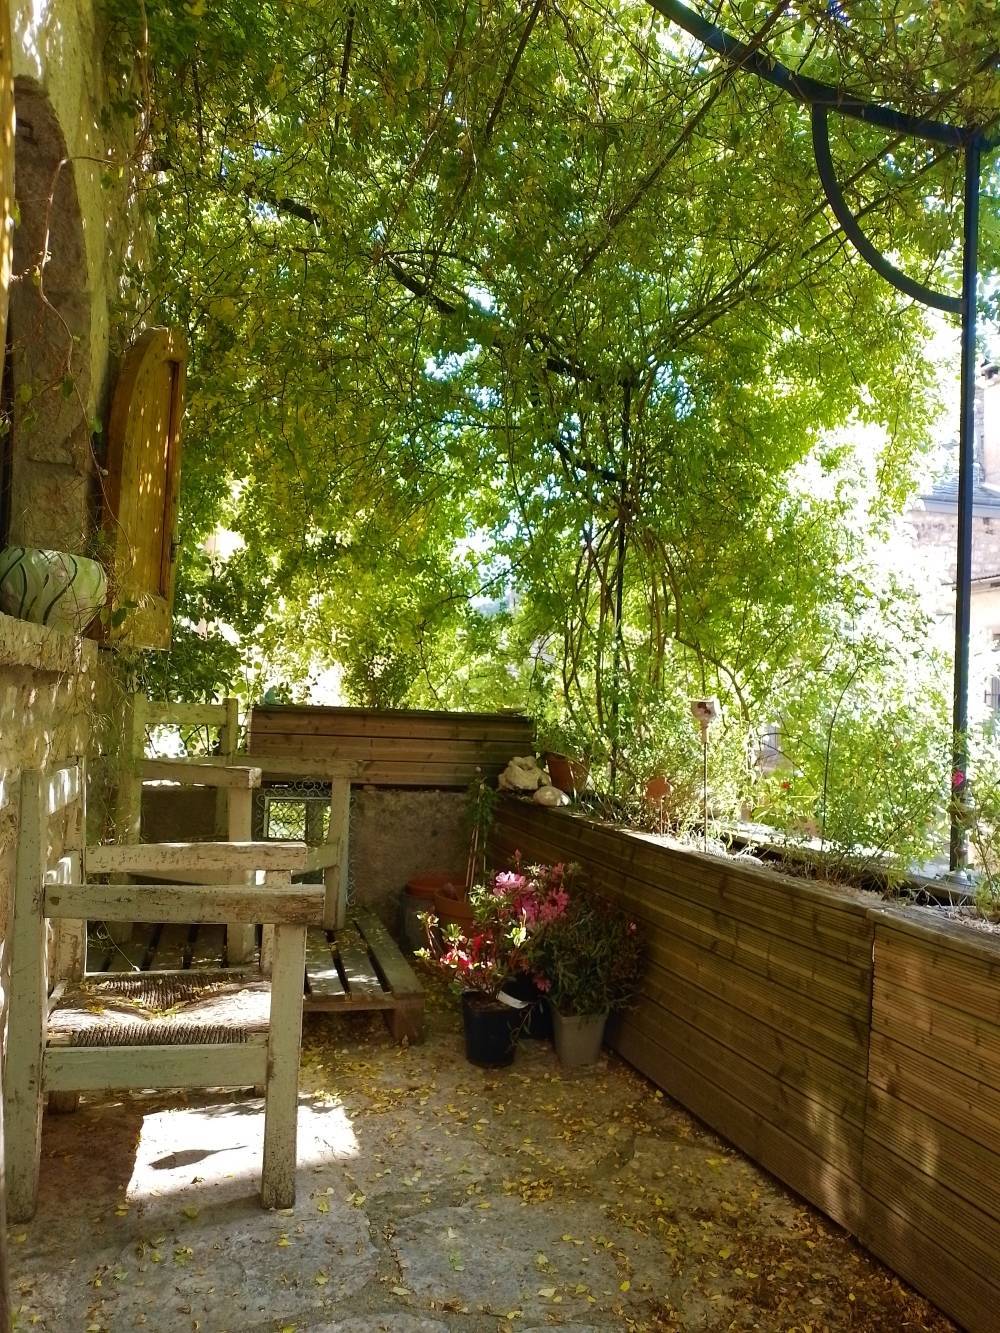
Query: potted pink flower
[[592, 958], [496, 948]]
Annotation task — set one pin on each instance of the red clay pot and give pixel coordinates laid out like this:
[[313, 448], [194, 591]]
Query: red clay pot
[[658, 789], [569, 775], [431, 882], [452, 910]]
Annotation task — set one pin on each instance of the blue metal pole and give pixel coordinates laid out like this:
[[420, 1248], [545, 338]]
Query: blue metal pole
[[966, 482]]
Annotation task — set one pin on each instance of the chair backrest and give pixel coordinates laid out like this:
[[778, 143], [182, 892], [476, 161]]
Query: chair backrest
[[144, 713], [273, 901]]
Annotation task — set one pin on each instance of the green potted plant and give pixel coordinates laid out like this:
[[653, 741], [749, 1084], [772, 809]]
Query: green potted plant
[[591, 959], [495, 948]]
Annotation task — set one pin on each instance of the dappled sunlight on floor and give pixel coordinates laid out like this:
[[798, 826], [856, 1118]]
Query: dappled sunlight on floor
[[431, 1196]]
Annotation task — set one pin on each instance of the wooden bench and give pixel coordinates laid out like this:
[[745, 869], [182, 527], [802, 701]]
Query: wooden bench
[[357, 968], [171, 1030], [360, 969]]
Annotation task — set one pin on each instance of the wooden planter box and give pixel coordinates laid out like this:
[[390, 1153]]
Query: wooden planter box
[[852, 1050]]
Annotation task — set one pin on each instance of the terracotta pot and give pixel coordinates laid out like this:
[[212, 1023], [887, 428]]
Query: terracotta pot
[[453, 911], [569, 775], [658, 790], [419, 897], [430, 882]]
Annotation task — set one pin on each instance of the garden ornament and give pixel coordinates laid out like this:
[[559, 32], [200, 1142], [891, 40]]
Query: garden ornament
[[550, 796], [523, 774]]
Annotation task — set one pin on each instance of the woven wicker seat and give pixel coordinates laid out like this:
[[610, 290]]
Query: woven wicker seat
[[146, 1010]]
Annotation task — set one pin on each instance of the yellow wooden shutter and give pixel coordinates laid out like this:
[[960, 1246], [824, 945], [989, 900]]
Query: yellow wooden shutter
[[6, 164], [144, 439]]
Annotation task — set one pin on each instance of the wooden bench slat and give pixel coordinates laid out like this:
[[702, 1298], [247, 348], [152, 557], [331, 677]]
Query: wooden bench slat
[[208, 948], [362, 979], [171, 948], [130, 955], [321, 969], [398, 974]]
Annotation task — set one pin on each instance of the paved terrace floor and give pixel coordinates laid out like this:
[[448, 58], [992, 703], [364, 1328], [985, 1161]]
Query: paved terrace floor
[[433, 1198]]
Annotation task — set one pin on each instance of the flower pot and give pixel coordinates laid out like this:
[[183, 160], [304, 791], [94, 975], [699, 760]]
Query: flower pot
[[491, 1029], [452, 910], [51, 588], [537, 1022], [418, 898], [430, 882], [658, 790], [569, 775], [579, 1037]]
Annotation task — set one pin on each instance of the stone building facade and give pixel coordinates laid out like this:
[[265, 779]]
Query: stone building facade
[[933, 520]]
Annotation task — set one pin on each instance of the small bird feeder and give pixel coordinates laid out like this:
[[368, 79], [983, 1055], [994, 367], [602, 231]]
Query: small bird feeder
[[705, 712]]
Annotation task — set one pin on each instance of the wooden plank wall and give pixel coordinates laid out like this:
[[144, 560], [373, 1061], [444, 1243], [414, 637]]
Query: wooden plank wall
[[754, 1012], [852, 1051], [932, 1143], [402, 747]]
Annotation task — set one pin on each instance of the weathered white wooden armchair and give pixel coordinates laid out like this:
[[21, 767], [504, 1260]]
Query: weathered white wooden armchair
[[182, 1029]]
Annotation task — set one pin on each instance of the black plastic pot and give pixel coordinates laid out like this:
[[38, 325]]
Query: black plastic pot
[[537, 1020], [491, 1030]]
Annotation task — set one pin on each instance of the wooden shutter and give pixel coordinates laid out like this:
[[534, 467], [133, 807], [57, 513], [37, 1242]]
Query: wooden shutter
[[144, 439]]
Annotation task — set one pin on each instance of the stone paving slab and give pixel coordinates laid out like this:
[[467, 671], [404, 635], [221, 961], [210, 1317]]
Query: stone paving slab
[[433, 1197]]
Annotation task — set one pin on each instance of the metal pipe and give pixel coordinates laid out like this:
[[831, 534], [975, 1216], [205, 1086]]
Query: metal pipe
[[801, 86], [966, 483]]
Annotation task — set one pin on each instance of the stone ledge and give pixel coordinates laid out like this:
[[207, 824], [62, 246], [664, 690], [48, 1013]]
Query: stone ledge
[[41, 648]]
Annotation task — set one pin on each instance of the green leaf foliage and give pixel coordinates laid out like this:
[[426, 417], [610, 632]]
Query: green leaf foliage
[[528, 364]]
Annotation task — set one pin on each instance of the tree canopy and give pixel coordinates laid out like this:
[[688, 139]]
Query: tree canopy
[[539, 306]]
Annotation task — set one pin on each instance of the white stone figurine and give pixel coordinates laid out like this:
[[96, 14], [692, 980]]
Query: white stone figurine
[[523, 774], [550, 796]]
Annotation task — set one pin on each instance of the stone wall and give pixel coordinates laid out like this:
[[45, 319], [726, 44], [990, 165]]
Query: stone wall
[[395, 833], [60, 312], [936, 534], [62, 366]]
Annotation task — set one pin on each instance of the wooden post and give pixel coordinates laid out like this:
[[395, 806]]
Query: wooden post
[[26, 1006], [229, 735], [128, 811], [277, 1186], [6, 254], [70, 944], [241, 938], [336, 876]]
